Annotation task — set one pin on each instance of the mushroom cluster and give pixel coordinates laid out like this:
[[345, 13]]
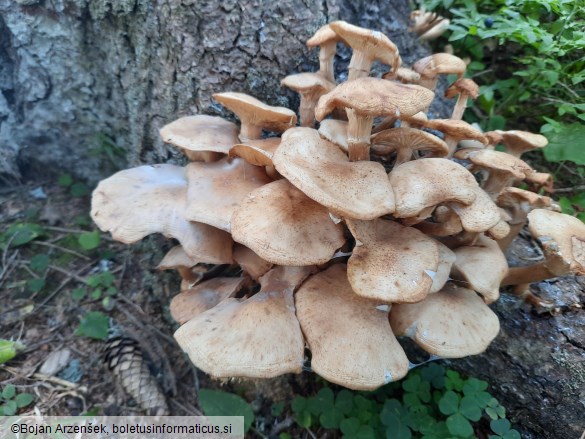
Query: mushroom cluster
[[376, 225]]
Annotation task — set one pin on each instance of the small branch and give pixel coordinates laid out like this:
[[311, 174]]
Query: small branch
[[63, 249], [570, 189]]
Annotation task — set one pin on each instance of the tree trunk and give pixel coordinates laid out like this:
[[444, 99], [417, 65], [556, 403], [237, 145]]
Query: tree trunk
[[80, 76]]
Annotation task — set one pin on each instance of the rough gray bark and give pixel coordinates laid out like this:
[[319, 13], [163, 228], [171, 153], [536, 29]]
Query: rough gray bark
[[74, 69]]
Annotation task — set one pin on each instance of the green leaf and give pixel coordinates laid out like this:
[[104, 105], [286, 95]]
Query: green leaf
[[395, 428], [449, 403], [435, 374], [500, 426], [277, 409], [298, 404], [22, 233], [284, 436], [219, 403], [473, 385], [8, 392], [79, 189], [8, 350], [35, 285], [78, 294], [39, 263], [9, 408], [23, 399], [512, 434], [344, 402], [65, 180], [331, 418], [454, 381], [469, 408], [459, 426], [93, 325], [567, 142], [89, 240], [411, 383], [303, 419], [349, 427]]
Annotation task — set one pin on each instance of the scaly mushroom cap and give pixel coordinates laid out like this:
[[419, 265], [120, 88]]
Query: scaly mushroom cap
[[284, 226], [256, 115], [323, 35], [257, 152], [370, 44], [471, 264], [307, 83], [424, 183], [456, 129], [375, 97], [196, 135], [216, 189], [193, 301], [462, 85], [440, 64], [520, 202], [335, 131], [257, 338], [250, 262], [322, 171], [518, 142], [177, 257], [404, 141], [496, 162], [563, 239], [479, 216], [391, 263], [350, 340], [452, 323], [134, 203], [404, 75]]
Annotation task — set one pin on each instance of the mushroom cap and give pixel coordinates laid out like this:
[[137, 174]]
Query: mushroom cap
[[404, 75], [428, 182], [335, 131], [308, 83], [394, 139], [136, 202], [177, 257], [471, 264], [257, 152], [456, 129], [193, 301], [452, 323], [391, 263], [259, 337], [519, 142], [374, 44], [479, 216], [284, 226], [439, 64], [323, 35], [216, 189], [201, 133], [322, 171], [375, 97], [446, 260], [251, 110], [250, 262], [463, 85], [496, 162], [520, 202], [563, 239], [350, 340]]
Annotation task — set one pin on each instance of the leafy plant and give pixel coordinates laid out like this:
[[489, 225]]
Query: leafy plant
[[10, 401], [8, 350], [431, 403], [94, 325], [218, 403]]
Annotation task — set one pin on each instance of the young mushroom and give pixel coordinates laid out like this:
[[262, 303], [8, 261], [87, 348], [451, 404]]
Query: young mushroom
[[327, 41], [311, 87], [463, 88], [406, 142], [256, 115], [430, 67]]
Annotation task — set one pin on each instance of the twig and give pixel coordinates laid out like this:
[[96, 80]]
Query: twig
[[69, 274], [55, 380], [570, 189], [65, 282], [78, 231], [281, 426], [63, 249], [135, 320]]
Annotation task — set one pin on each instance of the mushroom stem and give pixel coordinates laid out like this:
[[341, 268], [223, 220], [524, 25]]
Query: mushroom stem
[[460, 106], [359, 66], [496, 182], [505, 242], [528, 274], [452, 144], [430, 83], [307, 110], [359, 130], [187, 275], [403, 155], [249, 131], [326, 53]]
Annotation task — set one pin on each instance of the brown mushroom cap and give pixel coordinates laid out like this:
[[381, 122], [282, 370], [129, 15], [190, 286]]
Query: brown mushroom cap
[[518, 142], [367, 45], [134, 203], [195, 135], [471, 264], [563, 239], [462, 86], [456, 129], [284, 226], [193, 301], [216, 189], [391, 263], [322, 171], [257, 152], [479, 216], [375, 97], [323, 35], [335, 131], [178, 257], [311, 86], [439, 64], [350, 340], [452, 323], [405, 141], [257, 338], [327, 41], [256, 115], [428, 182], [404, 75]]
